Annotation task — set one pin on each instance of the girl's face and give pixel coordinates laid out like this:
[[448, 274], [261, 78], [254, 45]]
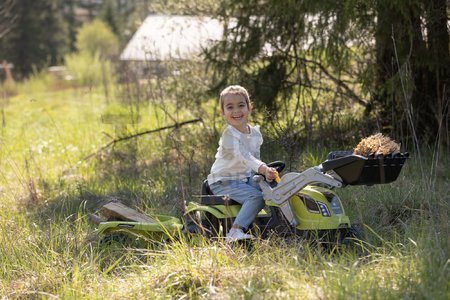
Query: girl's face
[[235, 111]]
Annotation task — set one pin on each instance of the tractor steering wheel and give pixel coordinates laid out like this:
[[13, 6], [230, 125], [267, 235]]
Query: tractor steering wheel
[[278, 165]]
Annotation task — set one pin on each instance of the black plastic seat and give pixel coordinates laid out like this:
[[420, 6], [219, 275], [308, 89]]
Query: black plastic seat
[[208, 198]]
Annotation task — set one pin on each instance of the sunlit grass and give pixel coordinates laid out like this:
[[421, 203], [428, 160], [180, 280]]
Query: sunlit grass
[[60, 261], [49, 250]]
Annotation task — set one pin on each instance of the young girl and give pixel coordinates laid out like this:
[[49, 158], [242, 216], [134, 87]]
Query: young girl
[[237, 160]]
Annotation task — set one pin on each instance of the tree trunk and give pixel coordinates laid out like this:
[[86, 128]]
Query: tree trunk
[[393, 45], [413, 69], [438, 47]]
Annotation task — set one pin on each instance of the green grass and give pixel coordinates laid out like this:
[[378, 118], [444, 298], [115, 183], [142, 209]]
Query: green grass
[[49, 250]]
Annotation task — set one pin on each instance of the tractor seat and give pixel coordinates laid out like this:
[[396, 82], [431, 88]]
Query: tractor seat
[[208, 198]]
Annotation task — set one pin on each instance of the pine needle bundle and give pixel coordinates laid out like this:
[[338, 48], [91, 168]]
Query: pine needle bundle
[[377, 144]]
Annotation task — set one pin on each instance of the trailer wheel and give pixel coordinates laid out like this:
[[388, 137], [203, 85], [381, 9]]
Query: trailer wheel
[[116, 240], [216, 227]]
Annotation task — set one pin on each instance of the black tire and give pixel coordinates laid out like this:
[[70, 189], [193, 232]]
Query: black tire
[[353, 237], [278, 224], [193, 224], [213, 224], [116, 239]]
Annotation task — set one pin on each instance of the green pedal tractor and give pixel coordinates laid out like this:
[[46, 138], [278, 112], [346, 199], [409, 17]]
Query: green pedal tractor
[[302, 203]]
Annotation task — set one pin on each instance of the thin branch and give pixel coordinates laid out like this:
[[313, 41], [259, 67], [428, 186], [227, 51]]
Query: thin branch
[[129, 137], [339, 82]]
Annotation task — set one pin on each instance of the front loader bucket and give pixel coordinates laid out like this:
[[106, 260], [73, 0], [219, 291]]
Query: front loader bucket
[[359, 170]]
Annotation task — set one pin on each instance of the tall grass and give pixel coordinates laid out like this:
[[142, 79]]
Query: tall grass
[[49, 250], [59, 262]]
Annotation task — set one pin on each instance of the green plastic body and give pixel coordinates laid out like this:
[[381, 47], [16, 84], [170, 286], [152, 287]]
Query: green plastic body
[[219, 211], [306, 218], [165, 227]]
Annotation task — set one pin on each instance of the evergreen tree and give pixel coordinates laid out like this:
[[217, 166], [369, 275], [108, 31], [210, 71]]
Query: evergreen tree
[[413, 67], [38, 37], [109, 13], [121, 17], [73, 23], [283, 50], [391, 57]]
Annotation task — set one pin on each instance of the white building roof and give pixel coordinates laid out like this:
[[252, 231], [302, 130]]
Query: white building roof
[[163, 37]]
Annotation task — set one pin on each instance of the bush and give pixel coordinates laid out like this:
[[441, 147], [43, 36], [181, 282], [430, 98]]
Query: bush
[[90, 70], [91, 65], [96, 38]]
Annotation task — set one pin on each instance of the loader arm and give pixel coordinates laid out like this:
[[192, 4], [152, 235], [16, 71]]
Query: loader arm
[[290, 184]]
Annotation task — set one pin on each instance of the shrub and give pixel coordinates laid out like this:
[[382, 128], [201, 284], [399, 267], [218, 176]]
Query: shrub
[[90, 70], [96, 38]]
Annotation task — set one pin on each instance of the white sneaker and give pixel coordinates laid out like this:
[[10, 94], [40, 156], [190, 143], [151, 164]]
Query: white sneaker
[[236, 234]]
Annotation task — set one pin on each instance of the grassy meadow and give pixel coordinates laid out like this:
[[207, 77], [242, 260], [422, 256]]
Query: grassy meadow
[[52, 175]]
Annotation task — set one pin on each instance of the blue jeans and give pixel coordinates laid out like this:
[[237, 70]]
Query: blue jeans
[[246, 192]]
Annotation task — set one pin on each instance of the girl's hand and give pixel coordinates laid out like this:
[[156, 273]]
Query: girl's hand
[[271, 173], [268, 172]]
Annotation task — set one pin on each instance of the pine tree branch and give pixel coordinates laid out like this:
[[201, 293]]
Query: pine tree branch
[[349, 92]]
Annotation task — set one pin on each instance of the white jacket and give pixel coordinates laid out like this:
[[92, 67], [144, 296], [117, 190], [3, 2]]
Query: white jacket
[[237, 156]]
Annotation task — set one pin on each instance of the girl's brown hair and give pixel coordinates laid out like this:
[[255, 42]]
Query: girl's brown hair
[[234, 90]]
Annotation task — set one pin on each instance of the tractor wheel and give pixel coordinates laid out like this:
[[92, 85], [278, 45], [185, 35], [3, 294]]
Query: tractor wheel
[[278, 224], [353, 237]]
